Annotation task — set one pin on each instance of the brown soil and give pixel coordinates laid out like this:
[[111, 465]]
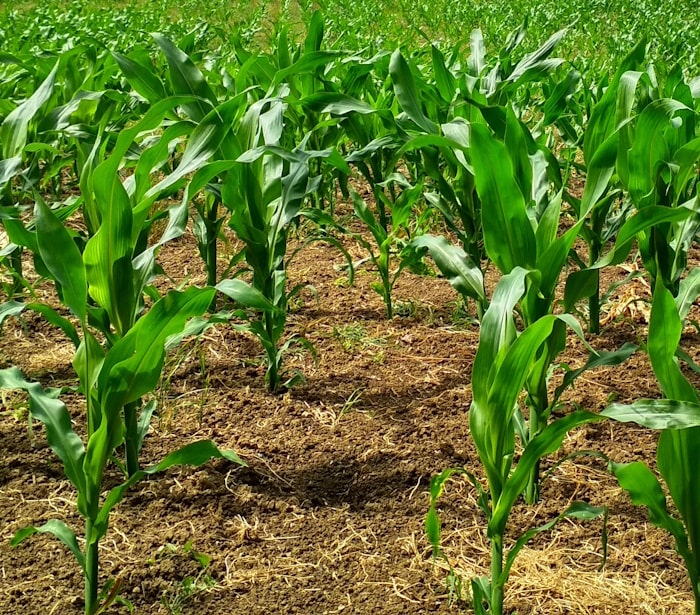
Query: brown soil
[[328, 516]]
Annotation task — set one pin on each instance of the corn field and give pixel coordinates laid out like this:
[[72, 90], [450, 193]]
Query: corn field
[[360, 308]]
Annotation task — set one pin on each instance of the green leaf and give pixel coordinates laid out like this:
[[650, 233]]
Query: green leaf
[[14, 130], [577, 510], [10, 308], [54, 415], [141, 77], [60, 530], [579, 284], [665, 328], [407, 94], [132, 366], [548, 441], [598, 359], [195, 454], [54, 318], [186, 78], [649, 147], [656, 413], [645, 490], [109, 252], [245, 294], [455, 264], [62, 258], [9, 167], [688, 292], [508, 235]]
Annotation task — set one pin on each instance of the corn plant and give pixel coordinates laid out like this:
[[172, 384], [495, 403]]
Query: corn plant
[[265, 193], [657, 162], [112, 377], [119, 268], [466, 96], [520, 225], [653, 152], [678, 444], [439, 149], [388, 232], [597, 204], [504, 362]]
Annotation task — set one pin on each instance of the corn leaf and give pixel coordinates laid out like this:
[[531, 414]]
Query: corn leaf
[[508, 235], [60, 530], [62, 258]]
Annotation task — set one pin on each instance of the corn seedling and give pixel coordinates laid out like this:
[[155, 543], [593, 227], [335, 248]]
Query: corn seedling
[[265, 194], [503, 364], [678, 444], [111, 378]]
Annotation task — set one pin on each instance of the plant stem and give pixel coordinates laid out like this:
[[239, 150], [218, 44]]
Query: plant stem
[[532, 491], [211, 224], [496, 574], [273, 367], [131, 439], [594, 299], [91, 570], [16, 264]]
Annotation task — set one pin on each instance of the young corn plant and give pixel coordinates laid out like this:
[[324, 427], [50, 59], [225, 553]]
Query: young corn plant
[[467, 97], [113, 376], [519, 220], [265, 194], [119, 267], [653, 153], [657, 162], [504, 362], [678, 445], [388, 231]]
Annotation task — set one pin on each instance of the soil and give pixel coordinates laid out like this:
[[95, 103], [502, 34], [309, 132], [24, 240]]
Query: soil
[[328, 516]]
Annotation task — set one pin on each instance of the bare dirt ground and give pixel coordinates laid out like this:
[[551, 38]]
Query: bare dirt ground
[[328, 517]]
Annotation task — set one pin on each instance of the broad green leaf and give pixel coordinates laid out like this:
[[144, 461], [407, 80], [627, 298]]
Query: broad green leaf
[[407, 93], [455, 264], [132, 366], [548, 441], [308, 63], [54, 318], [10, 308], [54, 415], [688, 292], [598, 359], [60, 530], [194, 454], [245, 294], [141, 77], [665, 328], [62, 258], [9, 167], [645, 490], [508, 235], [579, 284], [444, 79], [14, 130], [205, 140], [656, 413], [538, 58], [186, 78], [109, 252], [650, 147]]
